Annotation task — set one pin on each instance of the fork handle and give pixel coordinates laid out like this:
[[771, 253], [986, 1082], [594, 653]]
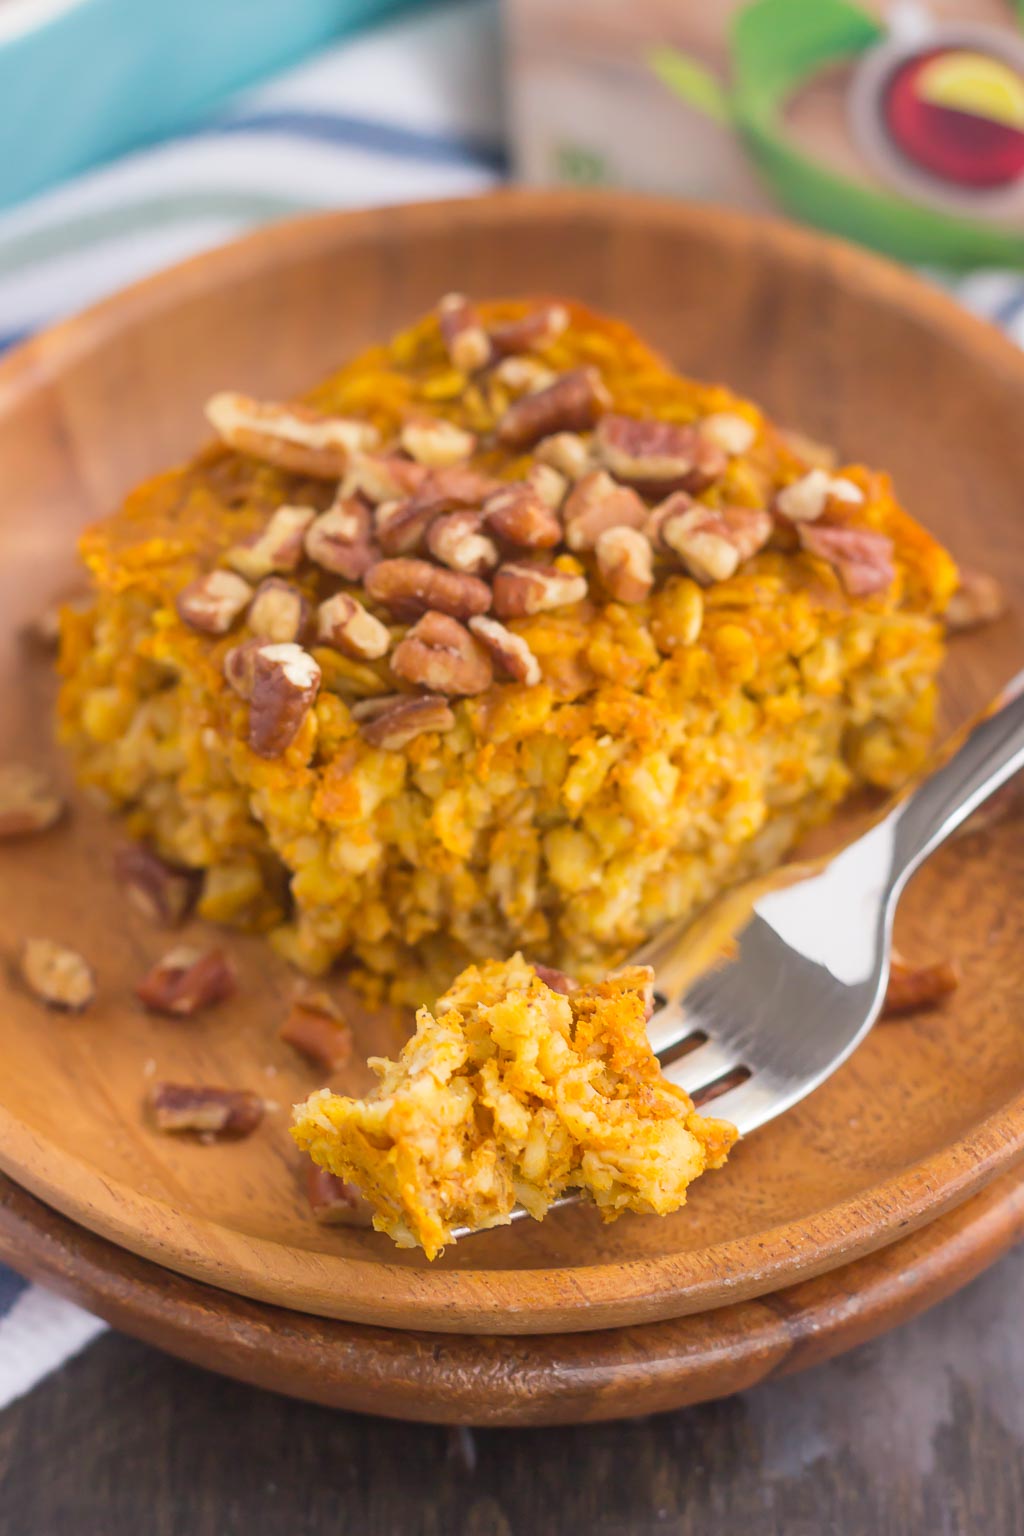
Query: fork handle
[[990, 754]]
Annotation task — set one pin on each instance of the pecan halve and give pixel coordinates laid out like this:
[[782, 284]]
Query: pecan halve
[[164, 893], [508, 650], [28, 802], [285, 682], [408, 588], [979, 599], [212, 602], [549, 483], [209, 1112], [341, 539], [344, 623], [729, 431], [913, 988], [625, 561], [521, 589], [335, 1203], [804, 500], [437, 444], [861, 557], [519, 514], [536, 329], [396, 720], [278, 611], [659, 454], [455, 539], [316, 1026], [59, 977], [597, 503], [187, 980], [293, 436], [382, 477], [557, 980], [440, 654], [278, 547], [469, 345], [571, 404], [566, 452]]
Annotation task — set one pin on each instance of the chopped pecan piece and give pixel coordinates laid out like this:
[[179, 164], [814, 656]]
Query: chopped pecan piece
[[571, 404], [343, 622], [285, 681], [979, 599], [164, 893], [536, 329], [279, 611], [597, 503], [57, 976], [394, 721], [523, 375], [469, 345], [278, 548], [440, 654], [382, 477], [187, 980], [913, 988], [804, 500], [510, 651], [661, 455], [672, 507], [209, 1112], [521, 589], [401, 526], [316, 1026], [293, 437], [519, 514], [437, 444], [551, 486], [861, 557], [730, 432], [341, 539], [213, 602], [626, 563], [557, 980], [239, 667], [567, 452], [712, 542], [408, 588], [28, 802], [455, 539], [335, 1203]]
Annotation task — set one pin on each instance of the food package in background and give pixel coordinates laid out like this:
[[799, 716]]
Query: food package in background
[[898, 123]]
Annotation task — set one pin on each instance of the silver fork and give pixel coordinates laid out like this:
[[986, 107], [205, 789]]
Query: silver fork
[[808, 962]]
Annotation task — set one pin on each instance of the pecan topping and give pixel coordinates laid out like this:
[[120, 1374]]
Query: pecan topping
[[316, 1026], [401, 526], [915, 987], [437, 444], [455, 539], [57, 976], [28, 803], [343, 622], [557, 980], [279, 611], [468, 344], [383, 477], [626, 563], [979, 599], [521, 589], [712, 542], [537, 329], [520, 514], [239, 667], [550, 485], [285, 681], [408, 588], [210, 1112], [440, 654], [278, 548], [596, 503], [164, 893], [291, 436], [567, 452], [732, 433], [509, 651], [571, 404], [213, 602], [659, 454], [672, 507], [804, 500], [861, 557], [186, 980], [394, 721], [341, 539], [335, 1203], [523, 375]]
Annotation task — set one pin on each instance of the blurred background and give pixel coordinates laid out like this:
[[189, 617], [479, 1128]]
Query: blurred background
[[134, 134]]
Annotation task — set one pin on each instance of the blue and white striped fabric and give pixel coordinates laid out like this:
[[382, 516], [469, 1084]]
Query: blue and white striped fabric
[[411, 110]]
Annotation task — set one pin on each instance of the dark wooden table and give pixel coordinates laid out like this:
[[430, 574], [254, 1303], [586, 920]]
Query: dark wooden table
[[918, 1434]]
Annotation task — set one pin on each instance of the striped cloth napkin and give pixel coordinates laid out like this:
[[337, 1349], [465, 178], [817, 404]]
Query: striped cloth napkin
[[411, 110]]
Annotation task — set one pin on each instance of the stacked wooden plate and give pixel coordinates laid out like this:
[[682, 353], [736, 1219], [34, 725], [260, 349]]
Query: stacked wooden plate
[[887, 1188]]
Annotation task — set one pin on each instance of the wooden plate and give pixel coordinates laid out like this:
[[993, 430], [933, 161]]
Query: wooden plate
[[490, 1380], [828, 338]]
